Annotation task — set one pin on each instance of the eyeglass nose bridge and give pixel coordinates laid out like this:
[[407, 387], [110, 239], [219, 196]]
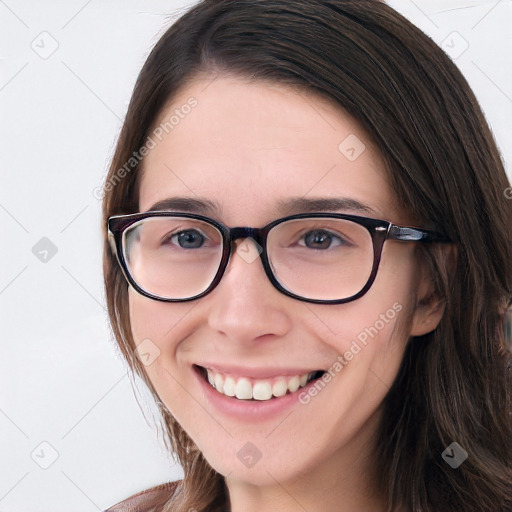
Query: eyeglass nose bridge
[[258, 236], [245, 232]]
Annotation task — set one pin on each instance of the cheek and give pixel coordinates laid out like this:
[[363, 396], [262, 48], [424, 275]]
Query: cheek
[[145, 318], [364, 334], [157, 329], [371, 333], [154, 320]]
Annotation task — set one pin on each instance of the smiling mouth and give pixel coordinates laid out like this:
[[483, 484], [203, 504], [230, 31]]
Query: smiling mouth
[[244, 388]]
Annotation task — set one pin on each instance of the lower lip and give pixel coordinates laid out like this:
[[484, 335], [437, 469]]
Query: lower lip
[[253, 410]]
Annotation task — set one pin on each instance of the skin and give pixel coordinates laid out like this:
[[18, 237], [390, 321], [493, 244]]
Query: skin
[[248, 145]]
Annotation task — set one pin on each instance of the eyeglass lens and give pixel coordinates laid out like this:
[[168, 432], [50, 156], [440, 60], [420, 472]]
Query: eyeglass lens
[[315, 258]]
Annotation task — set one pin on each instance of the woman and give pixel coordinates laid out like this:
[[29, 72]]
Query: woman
[[307, 258]]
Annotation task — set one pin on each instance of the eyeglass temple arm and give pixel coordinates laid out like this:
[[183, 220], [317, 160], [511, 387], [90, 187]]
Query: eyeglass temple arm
[[408, 234]]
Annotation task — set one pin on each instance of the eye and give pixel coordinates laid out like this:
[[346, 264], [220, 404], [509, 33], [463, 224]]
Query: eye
[[188, 239], [320, 239]]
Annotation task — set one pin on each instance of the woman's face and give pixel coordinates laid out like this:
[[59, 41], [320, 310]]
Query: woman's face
[[248, 149]]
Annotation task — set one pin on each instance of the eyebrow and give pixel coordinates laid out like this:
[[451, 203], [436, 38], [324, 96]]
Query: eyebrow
[[186, 204], [330, 204], [287, 206]]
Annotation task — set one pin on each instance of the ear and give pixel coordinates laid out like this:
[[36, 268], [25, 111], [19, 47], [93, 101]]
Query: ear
[[430, 305]]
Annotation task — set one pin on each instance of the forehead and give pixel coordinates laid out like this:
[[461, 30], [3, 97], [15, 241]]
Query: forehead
[[249, 147]]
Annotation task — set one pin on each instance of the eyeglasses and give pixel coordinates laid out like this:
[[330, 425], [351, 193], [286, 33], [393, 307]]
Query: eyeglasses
[[324, 258]]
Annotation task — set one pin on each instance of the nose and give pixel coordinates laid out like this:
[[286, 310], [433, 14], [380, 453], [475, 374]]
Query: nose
[[245, 307]]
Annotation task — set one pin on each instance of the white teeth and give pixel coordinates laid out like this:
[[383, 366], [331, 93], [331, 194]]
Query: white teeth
[[243, 389], [262, 391], [293, 384], [279, 388], [229, 386], [257, 389], [219, 381]]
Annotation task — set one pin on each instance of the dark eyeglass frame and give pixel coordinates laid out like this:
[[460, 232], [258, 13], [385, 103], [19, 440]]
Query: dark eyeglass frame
[[380, 231]]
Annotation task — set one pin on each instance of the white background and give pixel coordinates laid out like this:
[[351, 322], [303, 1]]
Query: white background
[[62, 383]]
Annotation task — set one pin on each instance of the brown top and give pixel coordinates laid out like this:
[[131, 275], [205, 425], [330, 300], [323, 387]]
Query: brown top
[[148, 500]]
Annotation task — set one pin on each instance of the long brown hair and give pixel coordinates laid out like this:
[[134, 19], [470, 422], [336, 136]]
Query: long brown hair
[[454, 383]]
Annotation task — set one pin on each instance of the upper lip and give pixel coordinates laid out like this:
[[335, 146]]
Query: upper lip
[[257, 373]]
